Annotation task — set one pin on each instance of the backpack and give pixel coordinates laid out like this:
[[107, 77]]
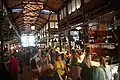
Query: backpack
[[33, 64], [68, 61]]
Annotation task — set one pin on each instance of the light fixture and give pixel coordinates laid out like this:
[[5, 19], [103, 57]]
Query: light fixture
[[32, 27], [92, 24], [10, 26], [110, 27], [78, 28]]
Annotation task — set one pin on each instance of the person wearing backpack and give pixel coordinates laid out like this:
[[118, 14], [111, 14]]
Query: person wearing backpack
[[33, 64], [35, 72]]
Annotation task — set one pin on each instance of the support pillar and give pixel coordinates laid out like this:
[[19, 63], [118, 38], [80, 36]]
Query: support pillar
[[58, 18], [70, 47], [49, 35], [1, 27]]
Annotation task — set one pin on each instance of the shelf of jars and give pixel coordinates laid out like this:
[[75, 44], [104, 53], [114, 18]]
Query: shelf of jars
[[101, 39]]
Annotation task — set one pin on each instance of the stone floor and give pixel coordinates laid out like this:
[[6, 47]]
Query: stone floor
[[27, 75]]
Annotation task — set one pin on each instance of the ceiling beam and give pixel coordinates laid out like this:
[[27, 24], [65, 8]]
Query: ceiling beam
[[49, 16], [23, 14], [42, 17], [22, 3], [65, 2], [40, 24], [39, 21], [16, 5], [50, 8], [29, 24], [47, 20], [23, 23], [37, 25], [17, 18], [19, 26]]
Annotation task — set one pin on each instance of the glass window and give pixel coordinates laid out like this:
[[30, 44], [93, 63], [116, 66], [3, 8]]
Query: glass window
[[78, 4], [53, 17], [47, 34], [65, 12], [61, 14], [38, 34], [69, 8], [44, 35], [52, 25], [44, 28], [47, 26], [60, 17], [73, 6], [56, 24]]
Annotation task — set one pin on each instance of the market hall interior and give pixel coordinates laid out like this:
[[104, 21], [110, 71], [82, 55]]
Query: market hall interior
[[59, 40]]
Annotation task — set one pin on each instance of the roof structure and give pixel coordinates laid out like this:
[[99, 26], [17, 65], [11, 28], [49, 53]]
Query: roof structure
[[27, 13]]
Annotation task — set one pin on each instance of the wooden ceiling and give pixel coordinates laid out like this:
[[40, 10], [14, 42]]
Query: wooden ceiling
[[30, 12]]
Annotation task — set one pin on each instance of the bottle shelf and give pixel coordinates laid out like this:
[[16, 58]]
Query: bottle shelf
[[101, 44]]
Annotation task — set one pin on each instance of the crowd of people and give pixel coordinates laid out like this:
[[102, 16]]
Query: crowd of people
[[77, 65], [49, 64], [11, 65]]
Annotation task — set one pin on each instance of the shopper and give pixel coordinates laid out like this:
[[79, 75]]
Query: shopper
[[68, 62], [53, 56], [34, 67], [48, 55], [103, 72], [14, 68], [75, 69], [86, 67], [60, 66], [4, 73]]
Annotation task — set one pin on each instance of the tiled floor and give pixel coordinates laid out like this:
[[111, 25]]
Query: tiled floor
[[27, 74]]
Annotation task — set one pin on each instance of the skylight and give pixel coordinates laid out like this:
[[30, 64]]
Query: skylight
[[45, 12], [17, 10]]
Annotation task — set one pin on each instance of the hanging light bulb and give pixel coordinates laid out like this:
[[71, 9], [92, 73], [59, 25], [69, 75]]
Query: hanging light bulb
[[32, 27], [78, 28]]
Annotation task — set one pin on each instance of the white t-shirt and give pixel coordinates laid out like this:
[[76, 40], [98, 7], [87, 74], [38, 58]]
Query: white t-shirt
[[103, 74], [109, 72]]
